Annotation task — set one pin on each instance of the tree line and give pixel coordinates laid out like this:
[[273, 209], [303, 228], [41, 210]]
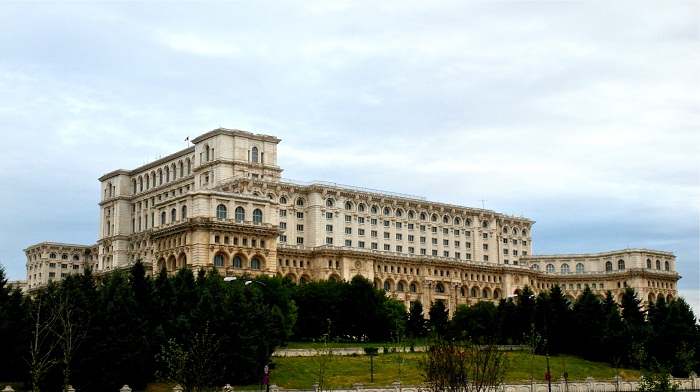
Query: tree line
[[126, 327]]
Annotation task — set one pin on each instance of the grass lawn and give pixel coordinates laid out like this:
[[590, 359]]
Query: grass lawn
[[299, 372]]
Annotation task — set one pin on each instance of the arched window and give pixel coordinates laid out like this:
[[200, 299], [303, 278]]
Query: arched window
[[658, 264], [649, 263], [462, 292], [485, 224], [133, 184], [472, 293], [621, 264], [457, 221], [255, 263], [580, 268], [484, 293], [283, 200], [387, 286], [173, 215], [237, 262], [257, 215], [387, 211], [361, 208], [184, 212], [422, 216], [160, 177], [535, 267], [182, 170], [399, 213], [148, 182], [52, 256], [219, 261], [467, 222], [446, 219], [329, 202], [373, 210], [167, 174], [412, 288], [221, 211], [433, 218], [399, 287], [608, 266], [439, 288], [300, 202], [140, 184], [565, 268], [239, 214], [162, 218], [254, 155], [667, 266], [206, 151], [496, 295], [505, 230], [189, 167], [524, 233], [549, 268], [348, 205], [411, 215]]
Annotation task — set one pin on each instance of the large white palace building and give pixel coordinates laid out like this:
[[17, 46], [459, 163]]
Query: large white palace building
[[222, 203]]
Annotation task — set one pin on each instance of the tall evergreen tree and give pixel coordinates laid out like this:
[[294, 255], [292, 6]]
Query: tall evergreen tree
[[590, 315], [416, 323], [438, 318]]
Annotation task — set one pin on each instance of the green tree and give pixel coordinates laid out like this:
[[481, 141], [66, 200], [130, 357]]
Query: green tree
[[590, 315], [12, 329], [416, 323], [438, 318], [476, 323]]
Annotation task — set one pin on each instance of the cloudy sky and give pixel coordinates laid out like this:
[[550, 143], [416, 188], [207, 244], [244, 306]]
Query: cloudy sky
[[583, 116]]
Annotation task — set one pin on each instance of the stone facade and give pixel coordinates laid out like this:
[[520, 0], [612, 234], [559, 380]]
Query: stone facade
[[222, 203]]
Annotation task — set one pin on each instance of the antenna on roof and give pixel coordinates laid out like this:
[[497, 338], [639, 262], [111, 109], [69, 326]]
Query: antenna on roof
[[482, 203]]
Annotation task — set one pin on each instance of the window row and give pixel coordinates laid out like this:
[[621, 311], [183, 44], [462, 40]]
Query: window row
[[222, 260], [155, 178], [239, 213], [667, 265]]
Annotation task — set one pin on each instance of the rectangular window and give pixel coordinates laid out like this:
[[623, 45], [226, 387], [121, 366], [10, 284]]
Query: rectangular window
[[422, 240], [75, 266], [348, 243], [433, 229], [467, 256], [505, 240], [283, 238], [64, 266], [398, 225], [329, 227], [446, 253], [348, 230], [486, 258], [456, 231], [515, 242], [524, 253], [411, 238], [348, 218], [283, 225], [468, 233], [411, 250], [422, 227], [505, 252], [216, 239], [468, 245], [386, 223], [399, 236], [386, 235], [422, 251], [434, 252], [52, 265], [445, 231], [300, 215], [361, 231], [283, 213], [485, 235], [457, 244], [515, 252], [374, 245], [446, 242], [360, 244], [458, 255], [329, 240], [300, 227], [399, 248], [300, 240], [373, 233], [373, 221], [329, 215], [410, 226], [434, 241], [486, 246], [523, 243], [387, 247], [360, 219]]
